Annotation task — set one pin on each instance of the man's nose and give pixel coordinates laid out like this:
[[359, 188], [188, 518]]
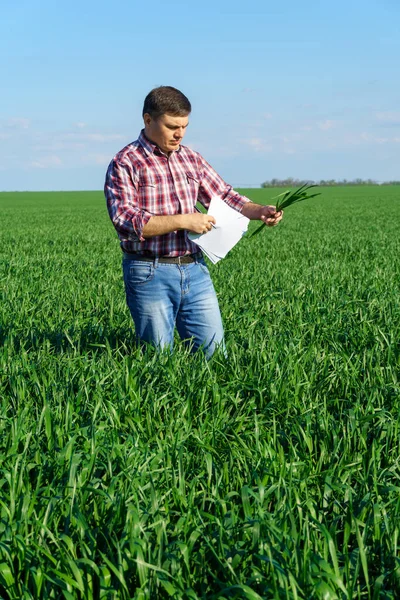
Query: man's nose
[[179, 133]]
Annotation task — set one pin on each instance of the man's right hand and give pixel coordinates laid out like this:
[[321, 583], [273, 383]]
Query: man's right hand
[[198, 222]]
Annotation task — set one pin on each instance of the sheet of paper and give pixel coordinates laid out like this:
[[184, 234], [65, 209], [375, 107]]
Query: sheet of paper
[[229, 228]]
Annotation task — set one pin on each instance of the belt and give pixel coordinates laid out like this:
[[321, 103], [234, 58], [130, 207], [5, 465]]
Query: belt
[[177, 260]]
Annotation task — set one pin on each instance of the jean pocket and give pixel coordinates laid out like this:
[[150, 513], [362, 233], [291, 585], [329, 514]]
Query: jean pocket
[[204, 267], [138, 273]]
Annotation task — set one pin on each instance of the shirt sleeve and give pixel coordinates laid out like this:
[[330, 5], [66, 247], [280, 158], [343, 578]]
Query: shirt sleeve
[[120, 190], [211, 184]]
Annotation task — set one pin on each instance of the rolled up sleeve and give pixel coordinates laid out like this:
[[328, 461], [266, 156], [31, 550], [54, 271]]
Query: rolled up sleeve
[[120, 190], [212, 184]]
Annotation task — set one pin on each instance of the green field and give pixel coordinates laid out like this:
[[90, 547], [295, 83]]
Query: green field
[[274, 474]]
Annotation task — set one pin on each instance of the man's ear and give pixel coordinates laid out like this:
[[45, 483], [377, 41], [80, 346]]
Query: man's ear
[[147, 119]]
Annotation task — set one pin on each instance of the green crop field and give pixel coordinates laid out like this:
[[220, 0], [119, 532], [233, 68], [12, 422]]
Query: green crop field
[[273, 474]]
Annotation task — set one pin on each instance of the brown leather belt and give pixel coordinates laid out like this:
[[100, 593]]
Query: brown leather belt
[[177, 260]]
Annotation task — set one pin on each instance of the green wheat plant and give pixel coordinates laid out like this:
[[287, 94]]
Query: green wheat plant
[[288, 198]]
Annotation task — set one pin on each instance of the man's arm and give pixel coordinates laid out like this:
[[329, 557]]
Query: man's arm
[[136, 223], [200, 223], [213, 185], [122, 204], [195, 222]]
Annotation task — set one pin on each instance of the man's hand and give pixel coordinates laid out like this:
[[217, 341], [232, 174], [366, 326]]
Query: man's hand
[[258, 212], [270, 216], [198, 222]]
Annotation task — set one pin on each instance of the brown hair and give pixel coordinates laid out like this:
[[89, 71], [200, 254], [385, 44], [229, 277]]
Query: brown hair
[[166, 99]]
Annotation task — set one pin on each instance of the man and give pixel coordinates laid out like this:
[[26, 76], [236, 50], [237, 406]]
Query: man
[[152, 186]]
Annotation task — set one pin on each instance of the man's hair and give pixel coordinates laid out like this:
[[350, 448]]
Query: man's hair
[[166, 99]]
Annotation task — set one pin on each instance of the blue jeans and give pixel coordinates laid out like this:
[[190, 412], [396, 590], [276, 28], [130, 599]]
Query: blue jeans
[[160, 295]]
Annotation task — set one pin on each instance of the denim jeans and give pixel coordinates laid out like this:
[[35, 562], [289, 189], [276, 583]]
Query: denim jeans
[[162, 295]]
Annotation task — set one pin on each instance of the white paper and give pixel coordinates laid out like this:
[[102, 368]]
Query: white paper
[[229, 228]]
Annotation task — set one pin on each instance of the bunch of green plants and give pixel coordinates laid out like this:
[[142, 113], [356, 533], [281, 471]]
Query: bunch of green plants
[[288, 198]]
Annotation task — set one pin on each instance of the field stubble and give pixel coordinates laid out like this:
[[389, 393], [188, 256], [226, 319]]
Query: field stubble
[[274, 474]]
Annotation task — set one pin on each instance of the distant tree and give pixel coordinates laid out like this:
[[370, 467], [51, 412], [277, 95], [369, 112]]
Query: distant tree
[[292, 182]]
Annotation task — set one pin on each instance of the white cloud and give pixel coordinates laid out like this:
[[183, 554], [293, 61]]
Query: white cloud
[[93, 137], [325, 125], [195, 144], [53, 150], [258, 145], [367, 137], [12, 126], [211, 151], [390, 116], [17, 123], [355, 139], [98, 159], [55, 146], [46, 162]]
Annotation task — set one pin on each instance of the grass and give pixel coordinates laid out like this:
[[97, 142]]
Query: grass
[[274, 475]]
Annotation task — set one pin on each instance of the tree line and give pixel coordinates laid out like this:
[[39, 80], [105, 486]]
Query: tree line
[[292, 182]]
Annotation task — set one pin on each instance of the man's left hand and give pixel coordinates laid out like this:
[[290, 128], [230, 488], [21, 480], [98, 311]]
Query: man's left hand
[[270, 216]]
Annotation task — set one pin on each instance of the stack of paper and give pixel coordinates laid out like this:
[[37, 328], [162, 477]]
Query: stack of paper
[[229, 228]]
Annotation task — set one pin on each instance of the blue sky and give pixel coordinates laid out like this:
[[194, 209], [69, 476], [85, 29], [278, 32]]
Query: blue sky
[[305, 89]]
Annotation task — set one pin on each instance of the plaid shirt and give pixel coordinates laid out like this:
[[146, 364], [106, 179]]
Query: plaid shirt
[[142, 181]]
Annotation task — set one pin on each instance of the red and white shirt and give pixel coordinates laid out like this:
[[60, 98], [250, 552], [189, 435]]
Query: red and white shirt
[[142, 182]]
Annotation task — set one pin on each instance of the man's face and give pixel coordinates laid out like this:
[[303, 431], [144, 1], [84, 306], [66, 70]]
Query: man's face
[[167, 131]]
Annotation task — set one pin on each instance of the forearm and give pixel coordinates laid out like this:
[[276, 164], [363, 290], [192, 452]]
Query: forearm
[[159, 225], [268, 214], [252, 211], [196, 222]]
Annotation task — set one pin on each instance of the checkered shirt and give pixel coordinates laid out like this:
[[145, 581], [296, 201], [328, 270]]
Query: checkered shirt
[[142, 182]]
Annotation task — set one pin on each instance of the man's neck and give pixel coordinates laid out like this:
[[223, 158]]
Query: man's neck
[[148, 138]]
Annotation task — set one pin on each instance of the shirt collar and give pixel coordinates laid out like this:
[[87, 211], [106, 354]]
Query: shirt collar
[[148, 146]]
